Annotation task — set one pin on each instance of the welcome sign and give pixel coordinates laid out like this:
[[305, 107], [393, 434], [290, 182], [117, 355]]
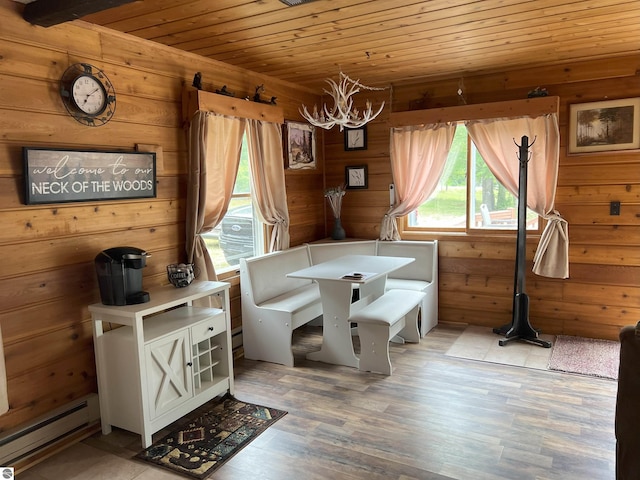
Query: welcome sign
[[57, 176]]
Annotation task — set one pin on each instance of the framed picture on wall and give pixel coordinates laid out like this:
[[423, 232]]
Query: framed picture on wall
[[299, 146], [54, 175], [356, 177], [355, 138], [609, 125]]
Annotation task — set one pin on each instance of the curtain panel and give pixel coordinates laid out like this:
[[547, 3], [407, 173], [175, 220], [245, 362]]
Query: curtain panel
[[268, 180], [215, 143], [418, 156], [496, 140]]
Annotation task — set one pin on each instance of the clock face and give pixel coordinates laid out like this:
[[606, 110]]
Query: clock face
[[89, 95]]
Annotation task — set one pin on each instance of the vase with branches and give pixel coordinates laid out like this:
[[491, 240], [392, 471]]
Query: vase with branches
[[335, 195]]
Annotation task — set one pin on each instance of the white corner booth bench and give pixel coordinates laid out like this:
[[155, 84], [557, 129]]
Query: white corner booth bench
[[273, 305]]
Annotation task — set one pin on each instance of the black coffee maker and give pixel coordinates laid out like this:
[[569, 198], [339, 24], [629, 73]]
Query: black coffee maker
[[119, 272]]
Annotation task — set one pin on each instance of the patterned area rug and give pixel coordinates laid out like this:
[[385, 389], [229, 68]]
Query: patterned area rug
[[203, 442], [586, 356]]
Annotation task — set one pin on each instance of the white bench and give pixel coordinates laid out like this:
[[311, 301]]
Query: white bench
[[273, 305], [421, 275], [394, 313]]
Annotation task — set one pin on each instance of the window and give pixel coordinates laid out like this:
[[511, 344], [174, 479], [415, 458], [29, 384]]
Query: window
[[240, 234], [468, 196]]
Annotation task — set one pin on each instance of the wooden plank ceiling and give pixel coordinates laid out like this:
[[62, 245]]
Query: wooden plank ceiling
[[384, 41]]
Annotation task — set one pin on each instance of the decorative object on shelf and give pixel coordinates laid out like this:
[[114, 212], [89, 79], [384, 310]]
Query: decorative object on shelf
[[461, 98], [180, 274], [537, 92], [334, 195], [343, 112], [355, 138], [300, 146], [224, 91], [88, 94], [197, 81], [258, 99], [338, 232], [604, 126], [356, 177]]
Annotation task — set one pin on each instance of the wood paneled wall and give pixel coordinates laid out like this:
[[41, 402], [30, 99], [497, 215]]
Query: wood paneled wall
[[477, 272], [47, 252]]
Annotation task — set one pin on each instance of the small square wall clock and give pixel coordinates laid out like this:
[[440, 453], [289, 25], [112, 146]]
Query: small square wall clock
[[356, 177], [355, 138]]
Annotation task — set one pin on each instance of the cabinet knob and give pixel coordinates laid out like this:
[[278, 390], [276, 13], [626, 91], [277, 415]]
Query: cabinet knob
[[211, 329], [190, 364]]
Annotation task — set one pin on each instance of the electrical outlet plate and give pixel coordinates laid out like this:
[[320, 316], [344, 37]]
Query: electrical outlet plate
[[614, 208]]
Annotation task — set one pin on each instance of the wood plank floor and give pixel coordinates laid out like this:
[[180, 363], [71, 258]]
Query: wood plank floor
[[435, 418]]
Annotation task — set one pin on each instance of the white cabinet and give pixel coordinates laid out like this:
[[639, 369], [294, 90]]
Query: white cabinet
[[164, 358]]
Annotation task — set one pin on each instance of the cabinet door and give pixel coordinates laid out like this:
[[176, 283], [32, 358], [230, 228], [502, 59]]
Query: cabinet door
[[169, 380]]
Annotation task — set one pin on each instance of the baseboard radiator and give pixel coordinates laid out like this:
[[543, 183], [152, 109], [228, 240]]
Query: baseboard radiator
[[17, 445]]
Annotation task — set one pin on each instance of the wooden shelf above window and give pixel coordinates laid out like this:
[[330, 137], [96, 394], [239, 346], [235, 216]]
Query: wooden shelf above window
[[533, 107], [194, 100]]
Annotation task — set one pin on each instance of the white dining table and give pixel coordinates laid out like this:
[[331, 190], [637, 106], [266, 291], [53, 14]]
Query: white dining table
[[335, 278]]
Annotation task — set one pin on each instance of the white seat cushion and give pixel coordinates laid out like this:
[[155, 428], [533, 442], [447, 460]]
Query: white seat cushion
[[294, 300], [389, 308], [402, 284]]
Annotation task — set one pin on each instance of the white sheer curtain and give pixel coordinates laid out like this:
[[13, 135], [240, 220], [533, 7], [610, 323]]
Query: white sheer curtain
[[268, 180], [418, 156], [496, 141]]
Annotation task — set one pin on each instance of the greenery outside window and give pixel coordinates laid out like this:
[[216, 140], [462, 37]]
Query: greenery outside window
[[240, 234], [468, 196]]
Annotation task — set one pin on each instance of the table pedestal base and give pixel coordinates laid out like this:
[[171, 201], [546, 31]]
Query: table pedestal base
[[337, 347]]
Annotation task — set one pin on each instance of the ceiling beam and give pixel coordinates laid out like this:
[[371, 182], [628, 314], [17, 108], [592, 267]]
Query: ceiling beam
[[47, 13]]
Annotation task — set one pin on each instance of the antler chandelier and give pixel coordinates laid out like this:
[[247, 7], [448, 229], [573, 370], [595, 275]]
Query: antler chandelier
[[342, 113]]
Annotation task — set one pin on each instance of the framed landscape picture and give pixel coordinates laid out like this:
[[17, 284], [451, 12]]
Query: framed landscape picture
[[299, 146], [609, 125]]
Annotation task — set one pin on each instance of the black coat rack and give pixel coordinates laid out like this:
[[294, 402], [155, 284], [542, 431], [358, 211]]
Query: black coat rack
[[520, 328]]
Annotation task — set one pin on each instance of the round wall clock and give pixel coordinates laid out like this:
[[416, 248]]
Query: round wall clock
[[88, 94]]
